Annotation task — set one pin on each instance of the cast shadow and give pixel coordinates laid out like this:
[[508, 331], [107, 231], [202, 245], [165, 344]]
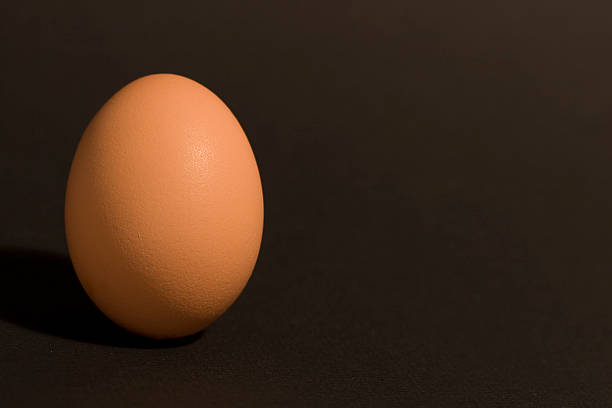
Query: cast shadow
[[40, 291]]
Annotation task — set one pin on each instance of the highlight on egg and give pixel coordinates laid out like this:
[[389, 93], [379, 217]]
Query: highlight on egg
[[164, 207]]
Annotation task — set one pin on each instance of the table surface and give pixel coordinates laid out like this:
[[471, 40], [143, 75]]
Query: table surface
[[437, 177]]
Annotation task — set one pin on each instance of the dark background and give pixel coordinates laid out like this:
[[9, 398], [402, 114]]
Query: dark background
[[438, 186]]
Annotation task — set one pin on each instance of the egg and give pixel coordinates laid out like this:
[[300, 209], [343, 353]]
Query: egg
[[164, 207]]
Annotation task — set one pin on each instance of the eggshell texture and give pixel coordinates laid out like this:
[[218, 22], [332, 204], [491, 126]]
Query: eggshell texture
[[164, 207]]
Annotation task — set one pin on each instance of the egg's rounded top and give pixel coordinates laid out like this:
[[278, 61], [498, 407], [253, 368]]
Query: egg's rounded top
[[164, 207]]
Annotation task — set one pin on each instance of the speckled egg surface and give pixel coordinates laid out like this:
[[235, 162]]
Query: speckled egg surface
[[164, 207]]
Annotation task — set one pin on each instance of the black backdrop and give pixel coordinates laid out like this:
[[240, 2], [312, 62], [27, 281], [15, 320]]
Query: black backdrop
[[437, 182]]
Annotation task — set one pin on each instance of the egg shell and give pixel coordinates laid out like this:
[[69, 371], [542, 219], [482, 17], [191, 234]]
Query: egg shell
[[164, 207]]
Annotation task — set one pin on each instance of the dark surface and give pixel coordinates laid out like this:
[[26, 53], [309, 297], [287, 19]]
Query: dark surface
[[438, 186]]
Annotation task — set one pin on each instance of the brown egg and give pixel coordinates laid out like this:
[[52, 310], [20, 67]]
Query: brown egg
[[164, 207]]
